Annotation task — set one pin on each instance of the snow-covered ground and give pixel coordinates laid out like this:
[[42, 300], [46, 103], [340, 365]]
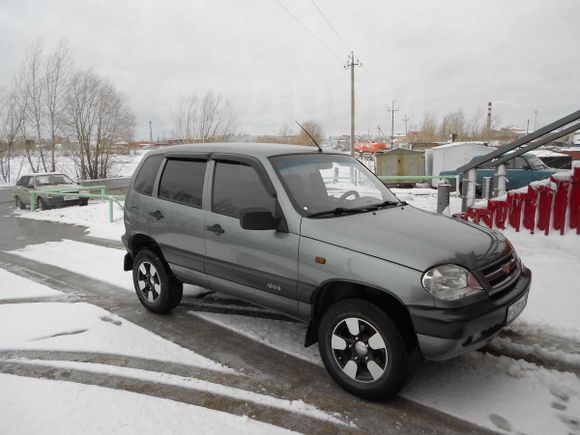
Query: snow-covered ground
[[499, 393], [85, 409], [77, 408]]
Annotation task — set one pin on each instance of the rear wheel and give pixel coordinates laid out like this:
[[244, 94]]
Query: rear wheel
[[363, 350], [156, 287]]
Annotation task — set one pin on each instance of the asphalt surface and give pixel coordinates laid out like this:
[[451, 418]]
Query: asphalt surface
[[262, 369]]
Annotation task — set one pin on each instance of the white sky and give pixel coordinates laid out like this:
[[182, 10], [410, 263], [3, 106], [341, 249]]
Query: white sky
[[435, 56]]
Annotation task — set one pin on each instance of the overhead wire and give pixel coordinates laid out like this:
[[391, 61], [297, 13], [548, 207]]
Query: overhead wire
[[330, 24], [308, 30]]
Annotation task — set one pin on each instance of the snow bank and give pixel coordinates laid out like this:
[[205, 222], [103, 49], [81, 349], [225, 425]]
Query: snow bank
[[85, 409], [98, 262], [85, 327], [294, 406], [16, 287], [94, 216]]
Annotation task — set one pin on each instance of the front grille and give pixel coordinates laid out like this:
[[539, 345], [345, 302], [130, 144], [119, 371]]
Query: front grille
[[500, 275]]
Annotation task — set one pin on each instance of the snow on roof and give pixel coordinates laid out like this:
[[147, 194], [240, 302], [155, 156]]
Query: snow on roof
[[547, 153], [459, 144]]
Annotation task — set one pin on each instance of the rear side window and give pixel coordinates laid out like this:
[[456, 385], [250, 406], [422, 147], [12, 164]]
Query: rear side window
[[182, 182], [146, 176], [236, 187]]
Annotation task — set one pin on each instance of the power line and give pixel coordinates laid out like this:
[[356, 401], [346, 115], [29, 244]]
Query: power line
[[330, 25], [308, 30]]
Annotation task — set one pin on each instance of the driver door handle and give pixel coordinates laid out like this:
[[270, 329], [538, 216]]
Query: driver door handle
[[157, 214], [216, 229]]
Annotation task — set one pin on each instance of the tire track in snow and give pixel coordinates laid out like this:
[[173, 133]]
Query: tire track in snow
[[298, 416]]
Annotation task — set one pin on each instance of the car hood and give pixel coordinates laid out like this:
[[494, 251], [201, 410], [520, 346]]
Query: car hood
[[410, 237]]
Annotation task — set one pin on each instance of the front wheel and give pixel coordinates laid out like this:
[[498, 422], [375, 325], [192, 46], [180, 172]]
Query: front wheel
[[363, 350], [18, 203], [156, 287]]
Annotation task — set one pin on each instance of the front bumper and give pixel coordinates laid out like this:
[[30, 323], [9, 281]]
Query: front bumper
[[444, 333]]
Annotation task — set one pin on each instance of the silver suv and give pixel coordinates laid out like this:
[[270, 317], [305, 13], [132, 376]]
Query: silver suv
[[319, 238]]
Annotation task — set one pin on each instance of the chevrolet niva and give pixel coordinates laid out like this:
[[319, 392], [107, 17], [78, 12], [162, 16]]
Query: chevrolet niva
[[318, 237]]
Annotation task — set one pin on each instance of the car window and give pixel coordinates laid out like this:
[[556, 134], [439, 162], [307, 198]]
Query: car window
[[43, 180], [146, 176], [23, 181], [236, 187], [182, 181], [517, 163]]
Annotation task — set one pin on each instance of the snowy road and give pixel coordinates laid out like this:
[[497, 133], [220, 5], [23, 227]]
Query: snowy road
[[272, 372]]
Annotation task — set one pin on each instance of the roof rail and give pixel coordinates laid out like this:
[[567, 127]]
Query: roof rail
[[526, 143]]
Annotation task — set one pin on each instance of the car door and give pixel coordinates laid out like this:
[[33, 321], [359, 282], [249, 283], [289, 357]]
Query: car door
[[176, 217], [259, 266], [519, 173]]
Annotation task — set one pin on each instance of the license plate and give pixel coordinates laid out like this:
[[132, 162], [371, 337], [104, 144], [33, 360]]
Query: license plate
[[71, 197], [516, 308]]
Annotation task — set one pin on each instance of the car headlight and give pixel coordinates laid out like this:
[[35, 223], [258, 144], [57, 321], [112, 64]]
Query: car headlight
[[450, 282]]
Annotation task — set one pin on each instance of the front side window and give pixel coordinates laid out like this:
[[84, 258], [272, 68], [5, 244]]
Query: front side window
[[146, 176], [324, 182], [237, 186], [182, 182]]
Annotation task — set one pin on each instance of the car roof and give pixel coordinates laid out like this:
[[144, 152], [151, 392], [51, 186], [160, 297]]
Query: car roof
[[41, 173], [261, 150]]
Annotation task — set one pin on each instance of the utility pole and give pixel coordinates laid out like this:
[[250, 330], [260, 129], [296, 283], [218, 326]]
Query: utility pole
[[351, 63], [528, 127], [405, 120], [392, 110], [150, 133]]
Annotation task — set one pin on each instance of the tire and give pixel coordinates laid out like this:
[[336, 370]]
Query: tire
[[19, 204], [42, 204], [83, 202], [370, 368], [156, 287]]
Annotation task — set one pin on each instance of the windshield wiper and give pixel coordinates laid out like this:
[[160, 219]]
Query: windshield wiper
[[362, 209], [336, 211]]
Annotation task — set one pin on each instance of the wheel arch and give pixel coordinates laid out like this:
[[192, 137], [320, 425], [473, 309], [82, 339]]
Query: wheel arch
[[333, 291], [140, 241]]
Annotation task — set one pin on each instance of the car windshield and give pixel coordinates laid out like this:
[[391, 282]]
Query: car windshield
[[52, 179], [319, 183]]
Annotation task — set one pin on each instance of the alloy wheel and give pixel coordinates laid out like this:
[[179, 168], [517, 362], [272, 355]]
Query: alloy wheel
[[149, 282], [359, 349]]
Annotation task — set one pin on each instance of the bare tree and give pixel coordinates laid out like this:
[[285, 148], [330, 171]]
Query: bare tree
[[58, 67], [453, 124], [206, 119], [315, 130], [97, 116], [475, 125], [428, 129], [284, 134], [34, 88]]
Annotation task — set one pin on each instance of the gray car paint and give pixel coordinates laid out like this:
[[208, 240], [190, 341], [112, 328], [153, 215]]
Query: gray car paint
[[388, 250]]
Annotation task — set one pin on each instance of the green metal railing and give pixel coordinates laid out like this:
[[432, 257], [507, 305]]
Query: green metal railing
[[103, 196]]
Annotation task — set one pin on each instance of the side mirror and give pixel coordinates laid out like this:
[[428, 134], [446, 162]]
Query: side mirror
[[258, 219]]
